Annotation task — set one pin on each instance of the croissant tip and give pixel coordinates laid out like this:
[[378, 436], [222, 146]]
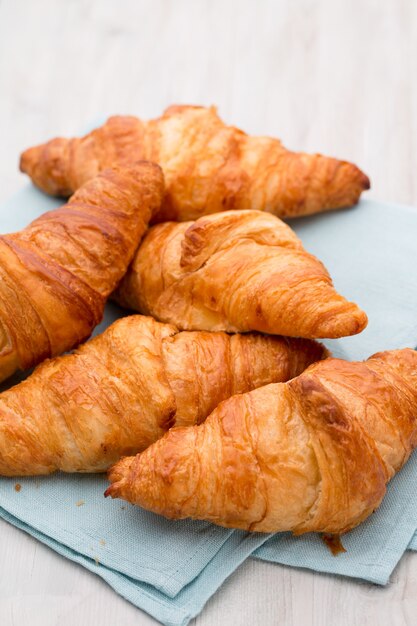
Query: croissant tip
[[325, 353], [362, 319], [350, 322], [115, 476], [366, 183], [25, 160], [110, 491], [359, 323]]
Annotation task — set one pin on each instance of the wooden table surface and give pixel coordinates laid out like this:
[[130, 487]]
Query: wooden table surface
[[324, 75]]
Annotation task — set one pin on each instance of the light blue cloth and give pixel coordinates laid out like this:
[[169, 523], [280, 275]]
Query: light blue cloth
[[170, 569]]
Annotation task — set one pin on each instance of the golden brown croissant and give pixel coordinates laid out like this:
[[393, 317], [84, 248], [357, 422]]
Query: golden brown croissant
[[208, 166], [236, 271], [56, 274], [312, 454], [123, 389]]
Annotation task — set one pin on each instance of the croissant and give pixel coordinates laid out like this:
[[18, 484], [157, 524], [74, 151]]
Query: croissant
[[208, 166], [56, 274], [312, 454], [123, 389], [236, 271]]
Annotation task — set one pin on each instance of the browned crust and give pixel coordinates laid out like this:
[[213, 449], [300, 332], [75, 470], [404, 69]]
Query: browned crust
[[59, 270], [209, 166], [312, 454], [122, 390]]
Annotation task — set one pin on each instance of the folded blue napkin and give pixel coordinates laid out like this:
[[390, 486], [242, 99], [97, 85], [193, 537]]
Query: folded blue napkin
[[170, 569]]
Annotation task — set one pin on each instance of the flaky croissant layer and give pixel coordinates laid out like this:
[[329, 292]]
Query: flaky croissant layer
[[208, 166], [312, 454], [122, 390], [236, 271], [56, 273]]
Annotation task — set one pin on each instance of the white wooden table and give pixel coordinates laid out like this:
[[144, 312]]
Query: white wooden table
[[327, 75]]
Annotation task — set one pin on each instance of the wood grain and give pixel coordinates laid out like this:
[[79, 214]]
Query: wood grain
[[325, 75]]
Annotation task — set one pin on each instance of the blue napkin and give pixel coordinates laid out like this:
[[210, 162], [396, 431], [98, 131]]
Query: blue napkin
[[170, 569]]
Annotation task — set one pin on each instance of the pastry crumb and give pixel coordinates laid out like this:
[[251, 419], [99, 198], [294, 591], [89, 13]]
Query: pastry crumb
[[97, 562], [17, 487], [80, 503], [102, 542], [123, 507]]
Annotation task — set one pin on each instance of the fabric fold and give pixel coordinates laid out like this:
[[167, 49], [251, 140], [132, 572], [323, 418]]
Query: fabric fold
[[171, 611]]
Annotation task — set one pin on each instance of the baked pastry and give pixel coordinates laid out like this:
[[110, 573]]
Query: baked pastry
[[56, 274], [123, 389], [236, 271], [208, 166], [312, 454]]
